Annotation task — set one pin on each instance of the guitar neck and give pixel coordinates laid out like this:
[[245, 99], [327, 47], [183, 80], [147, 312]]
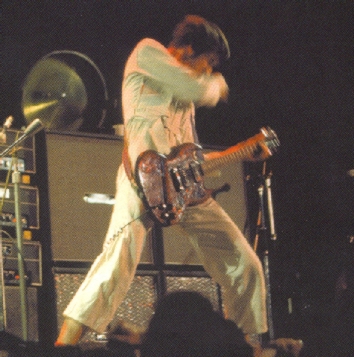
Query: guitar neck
[[238, 152]]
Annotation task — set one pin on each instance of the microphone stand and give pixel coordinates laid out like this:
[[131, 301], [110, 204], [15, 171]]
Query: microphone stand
[[265, 186], [6, 126], [16, 180], [268, 184], [2, 289], [32, 129]]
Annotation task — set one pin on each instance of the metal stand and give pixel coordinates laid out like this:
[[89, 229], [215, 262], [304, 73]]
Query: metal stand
[[2, 289], [16, 180], [32, 129], [262, 233]]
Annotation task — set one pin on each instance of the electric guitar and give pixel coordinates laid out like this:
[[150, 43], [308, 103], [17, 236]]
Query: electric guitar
[[171, 183]]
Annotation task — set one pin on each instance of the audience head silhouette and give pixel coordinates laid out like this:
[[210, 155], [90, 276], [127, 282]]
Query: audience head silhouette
[[186, 325]]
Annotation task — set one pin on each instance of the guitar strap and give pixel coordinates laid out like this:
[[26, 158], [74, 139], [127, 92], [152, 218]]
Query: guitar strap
[[127, 164]]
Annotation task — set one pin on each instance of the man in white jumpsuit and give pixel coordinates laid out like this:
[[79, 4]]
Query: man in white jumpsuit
[[161, 88]]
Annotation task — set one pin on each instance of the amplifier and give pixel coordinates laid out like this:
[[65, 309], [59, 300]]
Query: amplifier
[[25, 154], [32, 255], [29, 200]]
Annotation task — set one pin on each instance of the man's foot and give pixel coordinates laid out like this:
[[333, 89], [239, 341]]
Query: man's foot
[[70, 333]]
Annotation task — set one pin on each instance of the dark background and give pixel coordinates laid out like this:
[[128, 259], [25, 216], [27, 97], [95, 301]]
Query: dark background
[[292, 68]]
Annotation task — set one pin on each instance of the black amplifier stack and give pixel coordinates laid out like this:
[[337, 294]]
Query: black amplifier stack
[[28, 192], [28, 197]]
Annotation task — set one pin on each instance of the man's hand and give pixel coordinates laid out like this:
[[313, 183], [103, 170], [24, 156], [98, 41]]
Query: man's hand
[[261, 153]]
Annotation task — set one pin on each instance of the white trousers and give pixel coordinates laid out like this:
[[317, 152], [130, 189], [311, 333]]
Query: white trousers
[[229, 259], [223, 250]]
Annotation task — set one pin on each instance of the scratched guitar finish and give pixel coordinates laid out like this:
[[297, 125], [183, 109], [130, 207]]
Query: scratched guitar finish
[[171, 183]]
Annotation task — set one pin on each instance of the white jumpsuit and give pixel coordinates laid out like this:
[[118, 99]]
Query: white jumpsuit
[[159, 96]]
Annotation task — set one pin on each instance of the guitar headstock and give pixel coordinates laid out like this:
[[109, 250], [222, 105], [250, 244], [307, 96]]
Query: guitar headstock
[[270, 139]]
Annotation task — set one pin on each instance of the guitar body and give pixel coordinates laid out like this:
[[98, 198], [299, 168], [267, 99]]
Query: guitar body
[[171, 183]]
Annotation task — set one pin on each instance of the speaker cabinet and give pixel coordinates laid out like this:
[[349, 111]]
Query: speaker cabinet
[[137, 307], [12, 313], [195, 281], [80, 166]]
